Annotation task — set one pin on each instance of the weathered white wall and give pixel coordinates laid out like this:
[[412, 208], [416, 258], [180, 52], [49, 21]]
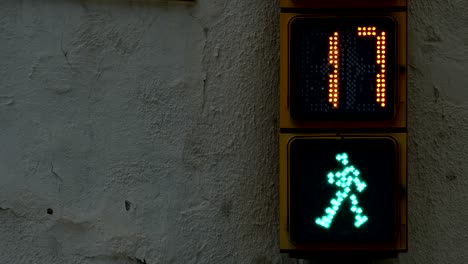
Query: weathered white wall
[[150, 130], [438, 131]]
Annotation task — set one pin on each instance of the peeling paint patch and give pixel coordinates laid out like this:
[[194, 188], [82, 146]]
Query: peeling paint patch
[[226, 208], [6, 100]]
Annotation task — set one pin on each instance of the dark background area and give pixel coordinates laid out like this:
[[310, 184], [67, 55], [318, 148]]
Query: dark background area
[[310, 69], [312, 159]]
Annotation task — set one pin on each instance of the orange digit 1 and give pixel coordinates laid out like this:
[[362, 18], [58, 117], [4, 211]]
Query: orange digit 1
[[333, 77], [381, 50]]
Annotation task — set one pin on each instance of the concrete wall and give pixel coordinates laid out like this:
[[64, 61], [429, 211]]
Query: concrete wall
[[146, 132]]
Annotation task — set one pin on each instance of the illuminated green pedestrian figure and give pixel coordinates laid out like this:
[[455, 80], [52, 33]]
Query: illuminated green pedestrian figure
[[344, 180]]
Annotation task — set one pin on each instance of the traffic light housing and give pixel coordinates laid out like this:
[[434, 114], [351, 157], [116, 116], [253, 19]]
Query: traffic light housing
[[307, 191], [306, 71], [343, 94]]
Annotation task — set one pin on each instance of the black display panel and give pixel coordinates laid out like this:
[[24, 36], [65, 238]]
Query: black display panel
[[342, 68], [319, 178]]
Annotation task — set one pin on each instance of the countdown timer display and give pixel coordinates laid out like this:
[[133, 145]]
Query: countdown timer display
[[343, 190], [342, 68]]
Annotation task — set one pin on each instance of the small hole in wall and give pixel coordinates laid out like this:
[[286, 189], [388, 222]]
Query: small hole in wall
[[50, 211], [127, 205]]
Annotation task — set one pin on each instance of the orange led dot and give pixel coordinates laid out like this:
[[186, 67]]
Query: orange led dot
[[383, 61], [335, 71], [330, 100], [336, 90], [378, 49], [359, 28], [335, 105], [378, 42], [335, 38], [336, 76], [335, 100], [378, 95], [378, 99], [373, 28], [336, 34], [336, 86], [383, 99], [378, 38], [335, 81], [373, 33], [383, 90], [330, 95], [383, 84], [378, 80], [378, 90], [383, 51], [364, 34], [383, 33], [383, 105], [383, 38], [383, 56], [378, 61], [378, 85], [359, 33], [383, 65], [330, 90]]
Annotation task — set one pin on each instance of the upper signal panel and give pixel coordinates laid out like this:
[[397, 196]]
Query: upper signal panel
[[342, 3]]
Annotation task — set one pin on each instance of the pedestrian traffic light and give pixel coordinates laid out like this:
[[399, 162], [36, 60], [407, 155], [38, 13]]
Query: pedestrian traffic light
[[341, 67], [343, 115], [343, 193]]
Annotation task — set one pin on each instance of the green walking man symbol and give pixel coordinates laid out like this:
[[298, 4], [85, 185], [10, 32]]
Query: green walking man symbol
[[344, 180]]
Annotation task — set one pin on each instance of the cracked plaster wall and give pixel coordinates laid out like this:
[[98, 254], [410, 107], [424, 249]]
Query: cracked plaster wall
[[146, 132]]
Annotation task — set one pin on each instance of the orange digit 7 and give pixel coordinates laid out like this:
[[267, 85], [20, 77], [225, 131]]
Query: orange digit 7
[[381, 52]]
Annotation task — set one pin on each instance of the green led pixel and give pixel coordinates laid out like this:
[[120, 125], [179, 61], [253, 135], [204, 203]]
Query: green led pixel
[[345, 180]]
